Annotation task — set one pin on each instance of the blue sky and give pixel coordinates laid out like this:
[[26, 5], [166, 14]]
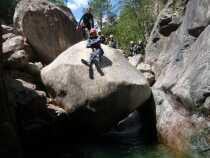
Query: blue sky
[[77, 6]]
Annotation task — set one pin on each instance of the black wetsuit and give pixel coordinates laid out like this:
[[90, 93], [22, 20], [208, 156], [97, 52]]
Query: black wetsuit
[[88, 21]]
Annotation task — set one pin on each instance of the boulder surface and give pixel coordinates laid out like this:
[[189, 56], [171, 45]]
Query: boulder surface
[[96, 103], [56, 29]]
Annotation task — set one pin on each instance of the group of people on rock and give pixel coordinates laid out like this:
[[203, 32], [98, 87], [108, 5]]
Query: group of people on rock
[[110, 41], [136, 48]]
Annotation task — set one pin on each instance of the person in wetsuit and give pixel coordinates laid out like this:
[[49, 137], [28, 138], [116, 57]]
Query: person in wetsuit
[[94, 42], [86, 22]]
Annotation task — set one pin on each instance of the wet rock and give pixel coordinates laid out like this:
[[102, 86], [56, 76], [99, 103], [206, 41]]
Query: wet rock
[[180, 129]]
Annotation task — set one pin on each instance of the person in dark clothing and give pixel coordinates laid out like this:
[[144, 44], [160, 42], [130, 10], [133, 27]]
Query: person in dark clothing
[[112, 43], [101, 37], [94, 42], [86, 22]]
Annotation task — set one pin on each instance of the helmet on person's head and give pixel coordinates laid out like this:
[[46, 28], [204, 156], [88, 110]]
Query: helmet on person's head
[[99, 31], [131, 42], [111, 36], [88, 10], [140, 42], [93, 32]]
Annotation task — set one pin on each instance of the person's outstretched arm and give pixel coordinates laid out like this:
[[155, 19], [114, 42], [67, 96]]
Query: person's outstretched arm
[[81, 20], [92, 21], [93, 43]]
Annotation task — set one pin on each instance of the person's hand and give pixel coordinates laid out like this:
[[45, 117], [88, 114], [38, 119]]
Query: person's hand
[[78, 28]]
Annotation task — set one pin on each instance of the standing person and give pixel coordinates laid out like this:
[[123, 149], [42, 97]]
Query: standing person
[[131, 48], [86, 22], [103, 40], [140, 47], [112, 43]]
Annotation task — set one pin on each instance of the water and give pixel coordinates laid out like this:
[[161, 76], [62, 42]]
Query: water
[[119, 151], [125, 141]]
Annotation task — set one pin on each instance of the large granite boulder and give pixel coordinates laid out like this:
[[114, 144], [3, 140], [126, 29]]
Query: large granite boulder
[[56, 29], [96, 104], [181, 63]]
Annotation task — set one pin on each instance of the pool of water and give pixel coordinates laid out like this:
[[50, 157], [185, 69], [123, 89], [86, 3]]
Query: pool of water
[[125, 151], [125, 141]]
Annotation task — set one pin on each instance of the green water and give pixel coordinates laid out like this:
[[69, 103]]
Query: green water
[[125, 141], [118, 151]]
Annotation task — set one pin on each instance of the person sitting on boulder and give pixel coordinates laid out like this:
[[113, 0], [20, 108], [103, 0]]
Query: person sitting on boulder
[[94, 42], [86, 21]]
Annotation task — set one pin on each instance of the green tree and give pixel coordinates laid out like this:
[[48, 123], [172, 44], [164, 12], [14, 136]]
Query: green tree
[[101, 9], [58, 2], [133, 21]]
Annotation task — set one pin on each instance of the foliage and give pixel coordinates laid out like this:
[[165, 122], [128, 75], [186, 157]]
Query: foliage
[[135, 19], [101, 9], [57, 2]]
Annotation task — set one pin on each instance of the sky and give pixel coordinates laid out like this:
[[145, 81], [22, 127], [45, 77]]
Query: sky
[[77, 6]]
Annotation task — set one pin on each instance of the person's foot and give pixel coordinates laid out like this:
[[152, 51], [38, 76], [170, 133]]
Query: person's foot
[[91, 75]]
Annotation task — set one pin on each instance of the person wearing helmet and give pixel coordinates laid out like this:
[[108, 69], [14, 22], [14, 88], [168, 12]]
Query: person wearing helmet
[[101, 37], [94, 42], [87, 20], [131, 48], [112, 43], [140, 47]]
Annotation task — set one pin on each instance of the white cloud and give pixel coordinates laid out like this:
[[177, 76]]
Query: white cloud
[[72, 6], [75, 4], [81, 3]]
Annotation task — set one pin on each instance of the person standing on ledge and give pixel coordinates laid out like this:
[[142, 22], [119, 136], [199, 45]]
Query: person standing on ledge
[[86, 22], [112, 43]]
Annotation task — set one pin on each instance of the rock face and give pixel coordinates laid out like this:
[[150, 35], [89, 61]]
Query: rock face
[[135, 60], [181, 64], [13, 44], [180, 129], [55, 32], [147, 71], [10, 146], [96, 103]]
